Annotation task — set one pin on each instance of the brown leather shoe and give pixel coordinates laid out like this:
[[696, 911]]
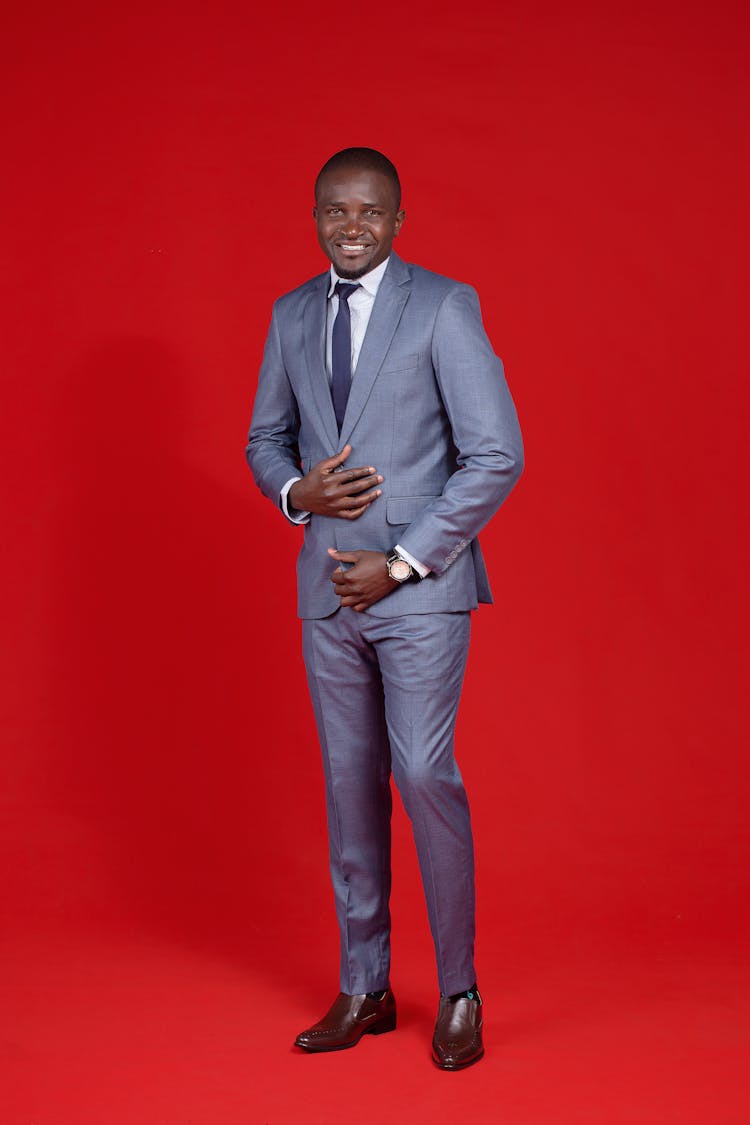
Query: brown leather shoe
[[457, 1041], [348, 1019]]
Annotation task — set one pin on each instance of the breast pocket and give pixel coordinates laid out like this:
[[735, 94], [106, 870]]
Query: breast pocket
[[394, 363]]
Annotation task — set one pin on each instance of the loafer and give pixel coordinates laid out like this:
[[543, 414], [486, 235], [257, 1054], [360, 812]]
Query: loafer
[[347, 1020], [457, 1042]]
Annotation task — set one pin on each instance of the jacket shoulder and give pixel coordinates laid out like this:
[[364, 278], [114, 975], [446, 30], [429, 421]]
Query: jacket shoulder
[[300, 292], [437, 284]]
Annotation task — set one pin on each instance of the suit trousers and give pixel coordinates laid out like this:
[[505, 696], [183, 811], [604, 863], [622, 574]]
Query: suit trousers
[[385, 693]]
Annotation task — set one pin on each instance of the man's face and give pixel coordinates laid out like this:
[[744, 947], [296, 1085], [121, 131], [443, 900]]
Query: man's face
[[355, 213]]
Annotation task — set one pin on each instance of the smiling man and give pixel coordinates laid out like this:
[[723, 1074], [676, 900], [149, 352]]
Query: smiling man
[[377, 220], [384, 425]]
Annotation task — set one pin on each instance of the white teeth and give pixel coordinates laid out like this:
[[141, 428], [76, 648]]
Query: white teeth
[[351, 246]]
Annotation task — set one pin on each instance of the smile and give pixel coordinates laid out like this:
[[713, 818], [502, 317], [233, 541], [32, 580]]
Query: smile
[[352, 247]]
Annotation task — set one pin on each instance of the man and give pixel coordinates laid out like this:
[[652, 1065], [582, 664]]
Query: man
[[383, 423]]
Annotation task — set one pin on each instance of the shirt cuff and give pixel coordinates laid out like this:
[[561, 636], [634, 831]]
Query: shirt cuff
[[291, 513], [420, 568]]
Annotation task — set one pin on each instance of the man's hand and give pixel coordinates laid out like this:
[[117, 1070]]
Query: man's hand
[[330, 490], [364, 583]]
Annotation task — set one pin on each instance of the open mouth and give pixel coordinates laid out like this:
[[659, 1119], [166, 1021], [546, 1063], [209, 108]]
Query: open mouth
[[353, 247]]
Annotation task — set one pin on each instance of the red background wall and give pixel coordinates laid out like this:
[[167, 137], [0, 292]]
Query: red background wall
[[584, 168]]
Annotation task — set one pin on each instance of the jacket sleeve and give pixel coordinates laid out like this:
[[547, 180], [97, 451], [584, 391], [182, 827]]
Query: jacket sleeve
[[272, 451], [485, 432]]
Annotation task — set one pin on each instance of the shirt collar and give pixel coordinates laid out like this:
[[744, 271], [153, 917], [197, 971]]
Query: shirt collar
[[370, 282]]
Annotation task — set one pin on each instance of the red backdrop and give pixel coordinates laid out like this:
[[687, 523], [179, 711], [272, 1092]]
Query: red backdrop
[[583, 168]]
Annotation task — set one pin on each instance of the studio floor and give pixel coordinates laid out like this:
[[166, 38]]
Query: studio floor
[[105, 1031]]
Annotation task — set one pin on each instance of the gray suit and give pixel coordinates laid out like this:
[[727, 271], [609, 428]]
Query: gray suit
[[430, 409]]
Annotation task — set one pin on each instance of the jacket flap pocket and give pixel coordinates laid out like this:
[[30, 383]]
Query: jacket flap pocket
[[403, 509]]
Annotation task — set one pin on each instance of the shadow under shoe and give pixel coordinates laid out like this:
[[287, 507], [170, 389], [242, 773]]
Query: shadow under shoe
[[457, 1041], [347, 1020]]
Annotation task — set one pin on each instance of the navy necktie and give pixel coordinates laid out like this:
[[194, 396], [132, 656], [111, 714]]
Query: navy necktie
[[341, 351]]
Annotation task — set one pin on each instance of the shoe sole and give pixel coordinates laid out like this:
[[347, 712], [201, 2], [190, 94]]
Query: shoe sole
[[379, 1028]]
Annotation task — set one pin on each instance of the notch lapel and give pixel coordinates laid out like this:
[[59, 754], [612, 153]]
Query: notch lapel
[[393, 294], [314, 330]]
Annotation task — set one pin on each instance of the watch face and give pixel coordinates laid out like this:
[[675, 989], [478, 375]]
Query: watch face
[[400, 570]]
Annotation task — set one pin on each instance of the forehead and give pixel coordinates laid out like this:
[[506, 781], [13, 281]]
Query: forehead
[[355, 185]]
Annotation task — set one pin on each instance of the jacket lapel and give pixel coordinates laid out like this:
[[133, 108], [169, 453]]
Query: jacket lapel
[[314, 329], [393, 294]]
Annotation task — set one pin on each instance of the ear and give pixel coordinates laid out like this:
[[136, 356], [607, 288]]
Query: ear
[[400, 216]]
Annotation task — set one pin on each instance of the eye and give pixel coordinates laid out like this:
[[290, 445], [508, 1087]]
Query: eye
[[373, 211], [334, 210]]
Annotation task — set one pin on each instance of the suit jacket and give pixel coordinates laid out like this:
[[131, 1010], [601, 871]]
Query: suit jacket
[[429, 408]]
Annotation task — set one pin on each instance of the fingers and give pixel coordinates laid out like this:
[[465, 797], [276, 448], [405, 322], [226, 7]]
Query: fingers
[[354, 601], [332, 462], [331, 489], [357, 495], [341, 579], [348, 598], [343, 556], [347, 476], [352, 482], [350, 507], [357, 480], [355, 508]]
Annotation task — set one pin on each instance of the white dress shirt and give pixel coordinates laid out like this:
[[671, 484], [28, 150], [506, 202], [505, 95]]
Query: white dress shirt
[[360, 304]]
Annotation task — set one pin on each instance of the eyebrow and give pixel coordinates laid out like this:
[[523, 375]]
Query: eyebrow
[[342, 203]]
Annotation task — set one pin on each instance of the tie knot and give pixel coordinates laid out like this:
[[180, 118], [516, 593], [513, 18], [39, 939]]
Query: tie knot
[[344, 289]]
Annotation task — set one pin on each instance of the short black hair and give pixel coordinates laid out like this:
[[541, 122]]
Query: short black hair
[[368, 158]]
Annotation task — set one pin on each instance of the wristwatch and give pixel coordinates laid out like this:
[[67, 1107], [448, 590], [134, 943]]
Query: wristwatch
[[399, 569]]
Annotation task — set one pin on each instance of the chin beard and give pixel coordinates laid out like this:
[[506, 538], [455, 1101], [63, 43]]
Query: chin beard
[[351, 275]]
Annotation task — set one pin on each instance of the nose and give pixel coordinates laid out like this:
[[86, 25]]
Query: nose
[[351, 226]]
